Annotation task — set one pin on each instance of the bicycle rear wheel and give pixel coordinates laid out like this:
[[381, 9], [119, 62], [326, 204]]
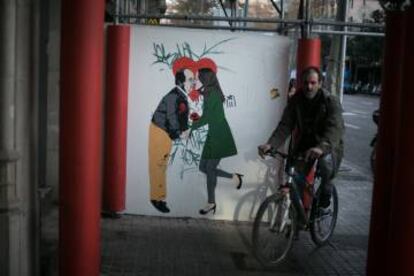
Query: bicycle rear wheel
[[322, 224], [273, 230]]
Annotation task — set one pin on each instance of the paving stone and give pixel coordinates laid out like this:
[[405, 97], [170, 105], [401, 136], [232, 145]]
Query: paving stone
[[155, 246]]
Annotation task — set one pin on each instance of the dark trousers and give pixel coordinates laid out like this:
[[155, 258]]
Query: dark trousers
[[328, 168], [209, 167]]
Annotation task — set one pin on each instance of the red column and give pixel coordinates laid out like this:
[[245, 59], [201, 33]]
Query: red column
[[80, 136], [117, 73], [391, 241], [386, 150], [401, 237], [309, 54]]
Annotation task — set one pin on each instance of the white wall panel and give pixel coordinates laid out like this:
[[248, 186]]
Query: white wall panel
[[249, 66]]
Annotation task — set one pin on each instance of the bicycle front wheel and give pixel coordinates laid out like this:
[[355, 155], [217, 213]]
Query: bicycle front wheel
[[322, 224], [273, 230]]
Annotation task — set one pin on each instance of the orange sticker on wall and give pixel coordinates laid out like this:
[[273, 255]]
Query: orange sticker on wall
[[274, 93]]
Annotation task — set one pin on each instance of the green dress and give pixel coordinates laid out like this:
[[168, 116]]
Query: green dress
[[219, 142]]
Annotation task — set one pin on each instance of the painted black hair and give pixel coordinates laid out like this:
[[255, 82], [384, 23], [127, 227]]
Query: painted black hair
[[179, 78], [209, 80]]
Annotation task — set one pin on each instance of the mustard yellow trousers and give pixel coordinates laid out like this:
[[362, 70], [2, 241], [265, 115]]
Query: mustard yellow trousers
[[158, 155]]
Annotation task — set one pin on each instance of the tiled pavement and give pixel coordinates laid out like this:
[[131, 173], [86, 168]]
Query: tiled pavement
[[142, 245]]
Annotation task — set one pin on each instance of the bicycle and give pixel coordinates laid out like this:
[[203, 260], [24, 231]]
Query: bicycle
[[292, 208]]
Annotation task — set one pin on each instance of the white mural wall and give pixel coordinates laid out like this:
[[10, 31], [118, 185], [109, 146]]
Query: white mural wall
[[250, 65]]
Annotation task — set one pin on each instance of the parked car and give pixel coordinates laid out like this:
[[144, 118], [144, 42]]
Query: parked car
[[377, 89], [350, 88], [366, 88]]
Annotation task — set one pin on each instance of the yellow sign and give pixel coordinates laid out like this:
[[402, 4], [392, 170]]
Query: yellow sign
[[274, 93], [153, 21]]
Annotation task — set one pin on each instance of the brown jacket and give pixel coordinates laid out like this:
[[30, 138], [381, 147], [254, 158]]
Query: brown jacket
[[329, 125]]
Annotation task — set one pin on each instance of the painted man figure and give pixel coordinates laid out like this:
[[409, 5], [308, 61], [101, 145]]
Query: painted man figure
[[169, 122]]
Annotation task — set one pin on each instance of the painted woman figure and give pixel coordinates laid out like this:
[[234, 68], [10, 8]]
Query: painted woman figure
[[219, 142]]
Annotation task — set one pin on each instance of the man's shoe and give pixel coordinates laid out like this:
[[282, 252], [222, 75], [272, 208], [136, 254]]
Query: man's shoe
[[160, 205], [324, 211], [323, 205], [324, 202]]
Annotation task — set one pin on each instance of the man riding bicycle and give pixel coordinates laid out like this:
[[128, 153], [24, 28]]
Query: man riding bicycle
[[314, 119]]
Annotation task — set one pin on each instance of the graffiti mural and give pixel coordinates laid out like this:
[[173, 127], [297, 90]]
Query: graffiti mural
[[198, 106], [190, 150], [191, 118]]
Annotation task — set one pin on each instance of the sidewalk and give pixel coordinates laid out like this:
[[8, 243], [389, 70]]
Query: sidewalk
[[142, 245]]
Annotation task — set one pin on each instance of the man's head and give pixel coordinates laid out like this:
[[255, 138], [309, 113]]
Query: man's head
[[184, 69], [185, 79], [312, 81]]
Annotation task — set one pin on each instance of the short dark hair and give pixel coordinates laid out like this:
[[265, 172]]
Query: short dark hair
[[311, 69], [179, 78]]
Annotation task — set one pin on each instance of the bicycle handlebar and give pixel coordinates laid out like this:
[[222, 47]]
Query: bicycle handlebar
[[272, 153]]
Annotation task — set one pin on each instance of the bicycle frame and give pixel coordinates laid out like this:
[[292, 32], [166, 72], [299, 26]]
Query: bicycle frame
[[302, 204]]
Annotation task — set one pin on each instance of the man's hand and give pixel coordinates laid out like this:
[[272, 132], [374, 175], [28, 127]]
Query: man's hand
[[263, 149], [313, 153], [185, 134]]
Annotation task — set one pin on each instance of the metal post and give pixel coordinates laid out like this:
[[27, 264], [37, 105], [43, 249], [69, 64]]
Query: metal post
[[246, 11], [40, 107], [7, 130], [26, 132], [342, 67], [232, 8], [282, 16], [307, 19], [17, 130], [299, 21], [225, 12], [282, 9], [117, 15], [343, 52], [7, 74], [143, 9], [348, 33], [42, 84]]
